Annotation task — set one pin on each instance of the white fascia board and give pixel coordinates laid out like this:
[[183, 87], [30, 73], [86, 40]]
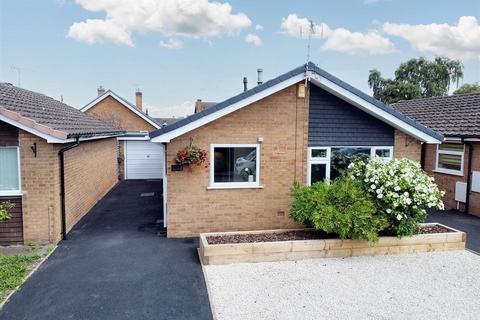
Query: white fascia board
[[146, 138], [452, 139], [164, 138], [43, 135], [116, 97], [370, 108]]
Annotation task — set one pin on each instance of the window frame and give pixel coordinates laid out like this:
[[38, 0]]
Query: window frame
[[234, 185], [17, 192], [318, 160], [328, 159], [455, 153]]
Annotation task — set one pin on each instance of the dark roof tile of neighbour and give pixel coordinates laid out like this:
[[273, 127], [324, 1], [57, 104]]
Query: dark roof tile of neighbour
[[37, 110], [456, 115]]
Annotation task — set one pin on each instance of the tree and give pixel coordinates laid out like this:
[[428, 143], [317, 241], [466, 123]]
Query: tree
[[468, 88], [416, 78]]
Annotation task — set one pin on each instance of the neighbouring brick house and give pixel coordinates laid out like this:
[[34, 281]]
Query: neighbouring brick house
[[455, 164], [34, 132], [137, 157], [293, 128]]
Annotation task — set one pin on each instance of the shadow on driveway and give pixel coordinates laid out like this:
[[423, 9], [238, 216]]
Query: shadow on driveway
[[461, 221], [115, 266]]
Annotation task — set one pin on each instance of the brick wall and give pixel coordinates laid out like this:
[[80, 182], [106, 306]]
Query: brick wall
[[447, 182], [40, 187], [113, 112], [281, 120], [90, 172], [407, 146]]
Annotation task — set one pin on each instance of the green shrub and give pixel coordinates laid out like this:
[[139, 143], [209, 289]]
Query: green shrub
[[341, 207], [5, 208]]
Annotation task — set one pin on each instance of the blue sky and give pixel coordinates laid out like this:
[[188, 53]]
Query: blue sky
[[68, 48]]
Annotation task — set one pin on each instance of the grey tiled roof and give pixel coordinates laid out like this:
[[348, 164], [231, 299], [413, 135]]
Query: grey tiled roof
[[457, 115], [310, 66], [51, 113]]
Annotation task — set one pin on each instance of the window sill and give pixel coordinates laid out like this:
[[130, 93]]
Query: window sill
[[452, 173], [234, 187], [11, 194]]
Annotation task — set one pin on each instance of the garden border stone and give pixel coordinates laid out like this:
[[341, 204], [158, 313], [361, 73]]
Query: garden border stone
[[214, 254]]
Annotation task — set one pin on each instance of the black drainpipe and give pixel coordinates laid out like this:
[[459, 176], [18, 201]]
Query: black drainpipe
[[423, 152], [61, 153], [469, 175]]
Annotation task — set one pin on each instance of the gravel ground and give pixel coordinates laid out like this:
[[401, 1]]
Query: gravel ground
[[441, 285]]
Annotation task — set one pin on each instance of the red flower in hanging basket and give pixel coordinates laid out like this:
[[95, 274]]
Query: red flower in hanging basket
[[192, 155]]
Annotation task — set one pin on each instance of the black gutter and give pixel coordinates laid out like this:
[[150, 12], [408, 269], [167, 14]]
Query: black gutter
[[469, 175], [61, 153]]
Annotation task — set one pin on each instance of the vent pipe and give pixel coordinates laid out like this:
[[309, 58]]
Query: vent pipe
[[260, 74], [245, 83]]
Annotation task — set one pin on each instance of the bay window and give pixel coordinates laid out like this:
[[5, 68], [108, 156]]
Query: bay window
[[450, 158], [328, 163], [234, 165], [9, 171]]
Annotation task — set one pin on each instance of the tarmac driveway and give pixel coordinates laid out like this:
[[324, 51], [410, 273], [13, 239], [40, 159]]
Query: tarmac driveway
[[116, 266], [461, 221]]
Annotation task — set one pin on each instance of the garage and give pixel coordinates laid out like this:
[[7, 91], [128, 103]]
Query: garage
[[143, 160]]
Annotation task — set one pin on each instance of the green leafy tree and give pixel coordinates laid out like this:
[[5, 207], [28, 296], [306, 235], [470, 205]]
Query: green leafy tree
[[416, 78], [468, 88]]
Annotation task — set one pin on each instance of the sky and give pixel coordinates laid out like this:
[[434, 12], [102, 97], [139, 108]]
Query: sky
[[177, 51]]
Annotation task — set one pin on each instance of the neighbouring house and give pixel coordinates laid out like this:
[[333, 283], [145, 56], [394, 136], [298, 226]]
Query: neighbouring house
[[202, 105], [138, 158], [55, 164], [455, 164], [299, 127]]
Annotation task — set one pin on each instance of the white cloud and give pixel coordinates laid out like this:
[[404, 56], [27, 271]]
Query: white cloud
[[172, 18], [254, 39], [371, 2], [460, 41], [171, 44], [178, 110], [340, 39], [92, 31], [259, 27]]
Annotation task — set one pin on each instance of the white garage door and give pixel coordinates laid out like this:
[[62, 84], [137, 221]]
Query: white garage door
[[143, 160]]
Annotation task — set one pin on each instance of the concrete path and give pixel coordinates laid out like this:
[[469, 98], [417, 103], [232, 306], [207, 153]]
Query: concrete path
[[115, 266], [461, 221]]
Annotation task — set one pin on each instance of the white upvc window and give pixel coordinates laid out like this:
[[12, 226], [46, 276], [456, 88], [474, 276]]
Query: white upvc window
[[10, 182], [450, 158], [318, 168], [325, 163], [234, 166]]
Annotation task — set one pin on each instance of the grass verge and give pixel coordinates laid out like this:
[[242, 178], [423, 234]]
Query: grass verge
[[13, 271]]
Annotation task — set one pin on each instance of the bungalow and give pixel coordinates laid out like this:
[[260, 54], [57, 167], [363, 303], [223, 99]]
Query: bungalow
[[299, 127], [455, 164], [138, 157], [55, 164]]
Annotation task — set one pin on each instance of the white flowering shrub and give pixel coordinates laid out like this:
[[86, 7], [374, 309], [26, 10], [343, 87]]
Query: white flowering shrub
[[400, 189]]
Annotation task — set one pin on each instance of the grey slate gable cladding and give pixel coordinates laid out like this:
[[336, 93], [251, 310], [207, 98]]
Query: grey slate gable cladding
[[310, 67], [334, 122]]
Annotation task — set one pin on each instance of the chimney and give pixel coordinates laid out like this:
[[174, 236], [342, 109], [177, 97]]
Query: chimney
[[245, 83], [198, 106], [100, 91], [138, 99], [259, 73]]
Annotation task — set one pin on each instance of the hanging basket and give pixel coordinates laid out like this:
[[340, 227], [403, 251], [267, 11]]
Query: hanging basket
[[192, 156]]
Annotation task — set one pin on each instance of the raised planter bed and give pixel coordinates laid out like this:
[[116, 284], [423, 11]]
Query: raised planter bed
[[299, 244]]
